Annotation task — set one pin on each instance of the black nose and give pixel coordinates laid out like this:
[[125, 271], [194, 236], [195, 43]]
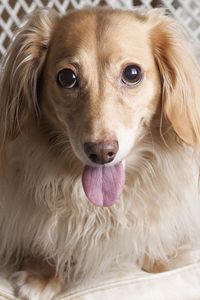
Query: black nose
[[101, 153]]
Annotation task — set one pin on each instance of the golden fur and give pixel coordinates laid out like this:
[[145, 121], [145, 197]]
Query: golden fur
[[44, 211]]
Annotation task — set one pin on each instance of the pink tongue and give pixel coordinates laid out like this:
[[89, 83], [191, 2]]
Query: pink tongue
[[103, 185]]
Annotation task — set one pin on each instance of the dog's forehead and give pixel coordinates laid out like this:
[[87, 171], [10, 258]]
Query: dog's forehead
[[105, 32]]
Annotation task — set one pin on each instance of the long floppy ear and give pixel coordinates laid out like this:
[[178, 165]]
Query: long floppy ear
[[180, 76], [20, 70]]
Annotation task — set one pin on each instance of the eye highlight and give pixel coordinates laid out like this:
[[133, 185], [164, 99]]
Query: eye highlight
[[67, 79], [132, 75]]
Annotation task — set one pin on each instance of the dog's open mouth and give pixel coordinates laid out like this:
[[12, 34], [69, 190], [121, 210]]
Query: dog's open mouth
[[103, 185]]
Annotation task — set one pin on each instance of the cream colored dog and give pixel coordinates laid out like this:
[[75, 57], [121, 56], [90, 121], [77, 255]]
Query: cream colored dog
[[100, 105]]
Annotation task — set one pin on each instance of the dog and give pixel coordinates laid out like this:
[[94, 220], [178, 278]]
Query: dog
[[100, 134]]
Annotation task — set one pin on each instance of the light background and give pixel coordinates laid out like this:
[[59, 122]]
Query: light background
[[11, 13]]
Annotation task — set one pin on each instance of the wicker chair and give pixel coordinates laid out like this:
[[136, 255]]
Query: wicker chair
[[186, 12]]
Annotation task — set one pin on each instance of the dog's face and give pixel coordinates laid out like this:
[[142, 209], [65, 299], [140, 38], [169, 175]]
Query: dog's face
[[101, 85], [95, 79]]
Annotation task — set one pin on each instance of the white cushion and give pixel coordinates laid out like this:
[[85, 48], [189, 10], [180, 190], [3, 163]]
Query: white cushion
[[179, 284]]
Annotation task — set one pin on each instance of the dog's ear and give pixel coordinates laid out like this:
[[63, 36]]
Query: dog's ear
[[180, 76], [21, 67]]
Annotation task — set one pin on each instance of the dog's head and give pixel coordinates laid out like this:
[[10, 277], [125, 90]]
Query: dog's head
[[97, 78]]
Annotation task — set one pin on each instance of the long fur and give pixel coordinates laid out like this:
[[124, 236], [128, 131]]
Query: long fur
[[44, 211]]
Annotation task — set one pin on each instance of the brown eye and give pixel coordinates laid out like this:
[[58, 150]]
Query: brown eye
[[67, 79], [132, 75]]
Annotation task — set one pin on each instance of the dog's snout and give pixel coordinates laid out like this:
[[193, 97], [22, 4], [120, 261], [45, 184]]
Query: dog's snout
[[101, 153]]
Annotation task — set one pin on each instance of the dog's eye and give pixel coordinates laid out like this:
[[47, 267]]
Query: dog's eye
[[67, 79], [132, 75]]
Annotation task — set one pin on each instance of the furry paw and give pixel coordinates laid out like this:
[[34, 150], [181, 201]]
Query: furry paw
[[31, 286]]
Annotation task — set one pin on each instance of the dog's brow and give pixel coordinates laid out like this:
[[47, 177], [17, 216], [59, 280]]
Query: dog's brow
[[63, 61]]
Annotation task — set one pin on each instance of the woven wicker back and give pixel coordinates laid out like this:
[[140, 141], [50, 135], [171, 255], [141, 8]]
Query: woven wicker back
[[12, 11]]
